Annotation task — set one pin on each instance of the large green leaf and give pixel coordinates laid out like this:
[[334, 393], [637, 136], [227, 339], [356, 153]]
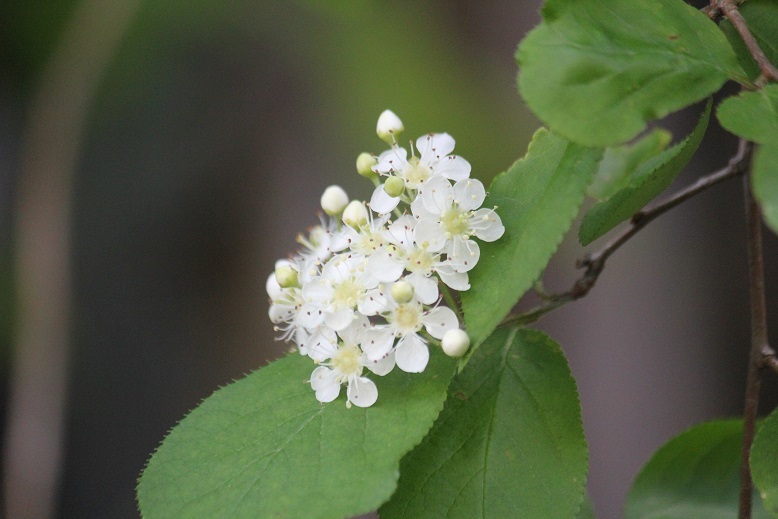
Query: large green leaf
[[509, 442], [620, 163], [696, 475], [764, 180], [264, 447], [752, 115], [596, 71], [762, 19], [646, 183], [537, 199], [764, 462]]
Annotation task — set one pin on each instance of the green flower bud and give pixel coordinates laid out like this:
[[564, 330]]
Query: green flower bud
[[394, 186], [402, 291], [365, 163], [287, 277]]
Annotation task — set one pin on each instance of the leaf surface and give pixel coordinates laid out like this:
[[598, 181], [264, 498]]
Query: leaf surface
[[764, 462], [646, 183], [265, 447], [596, 71], [509, 442], [764, 182], [752, 115], [696, 475], [537, 199]]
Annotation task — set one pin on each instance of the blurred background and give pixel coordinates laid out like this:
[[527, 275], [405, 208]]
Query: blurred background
[[156, 158]]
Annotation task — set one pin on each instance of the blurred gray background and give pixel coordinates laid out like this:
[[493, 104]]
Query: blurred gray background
[[197, 138]]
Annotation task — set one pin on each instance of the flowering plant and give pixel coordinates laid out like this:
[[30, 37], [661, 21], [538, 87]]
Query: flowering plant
[[364, 291], [422, 273]]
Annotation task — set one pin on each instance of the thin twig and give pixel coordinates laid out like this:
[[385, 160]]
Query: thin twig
[[595, 263], [731, 11], [759, 344]]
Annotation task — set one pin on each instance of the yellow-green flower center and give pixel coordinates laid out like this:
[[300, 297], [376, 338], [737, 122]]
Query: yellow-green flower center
[[454, 221], [407, 317], [346, 360], [416, 174], [346, 294], [420, 261]]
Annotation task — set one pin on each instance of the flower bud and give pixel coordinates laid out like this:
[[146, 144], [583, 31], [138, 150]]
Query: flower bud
[[355, 215], [365, 163], [455, 343], [286, 277], [402, 291], [389, 126], [334, 200], [394, 186]]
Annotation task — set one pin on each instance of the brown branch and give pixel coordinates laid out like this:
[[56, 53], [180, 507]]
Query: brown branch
[[730, 9], [594, 264], [759, 344]]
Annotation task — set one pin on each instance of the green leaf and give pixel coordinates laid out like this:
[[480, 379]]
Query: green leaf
[[764, 462], [652, 177], [587, 510], [764, 181], [696, 475], [596, 71], [762, 19], [509, 442], [752, 115], [264, 447], [537, 200], [619, 164]]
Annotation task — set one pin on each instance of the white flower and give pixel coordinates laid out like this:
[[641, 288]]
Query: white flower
[[334, 200], [343, 363], [434, 161], [389, 263], [405, 321], [388, 126], [447, 219], [343, 287]]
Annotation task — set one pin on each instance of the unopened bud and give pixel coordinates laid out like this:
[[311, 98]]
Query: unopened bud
[[402, 291], [365, 163], [394, 186], [455, 343], [389, 126], [286, 277], [355, 214], [334, 200]]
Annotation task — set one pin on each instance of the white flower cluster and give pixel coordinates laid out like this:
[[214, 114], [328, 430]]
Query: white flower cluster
[[363, 292]]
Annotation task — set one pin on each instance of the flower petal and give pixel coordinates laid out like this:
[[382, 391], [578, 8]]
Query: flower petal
[[429, 233], [425, 288], [309, 316], [324, 382], [381, 202], [456, 280], [391, 160], [437, 195], [382, 366], [453, 168], [487, 225], [377, 344], [440, 320], [434, 146], [362, 392], [386, 265], [469, 194], [339, 319], [412, 354]]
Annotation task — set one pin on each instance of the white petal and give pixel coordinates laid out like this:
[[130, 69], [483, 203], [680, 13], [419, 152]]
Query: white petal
[[382, 366], [429, 232], [425, 288], [412, 354], [440, 320], [401, 231], [437, 195], [377, 344], [381, 202], [317, 290], [391, 160], [463, 254], [373, 303], [469, 194], [487, 225], [453, 168], [362, 392], [310, 316], [280, 313], [456, 280], [321, 347], [339, 319], [353, 332], [323, 381], [386, 265], [273, 288], [435, 146]]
